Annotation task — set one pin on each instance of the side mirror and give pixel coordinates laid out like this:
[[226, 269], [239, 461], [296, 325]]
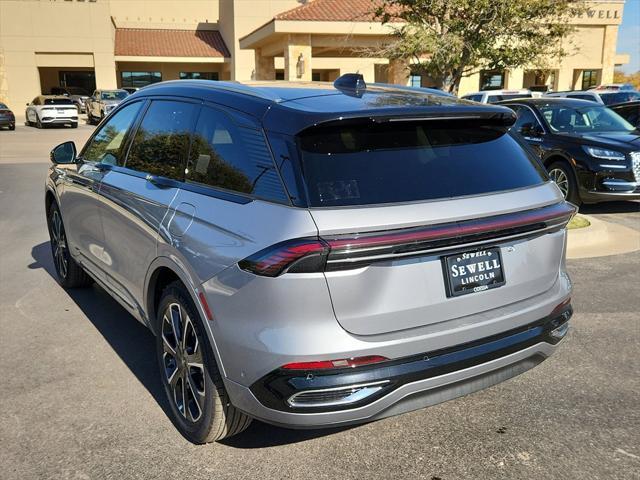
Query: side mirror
[[65, 153]]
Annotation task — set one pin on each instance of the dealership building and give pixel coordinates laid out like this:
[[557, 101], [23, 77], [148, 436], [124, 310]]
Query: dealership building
[[131, 43]]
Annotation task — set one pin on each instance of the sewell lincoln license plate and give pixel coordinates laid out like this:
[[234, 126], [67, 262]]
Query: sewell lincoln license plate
[[473, 271]]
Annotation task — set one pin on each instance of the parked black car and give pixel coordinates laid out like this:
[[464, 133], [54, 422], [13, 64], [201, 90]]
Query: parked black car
[[591, 152], [7, 119], [630, 111]]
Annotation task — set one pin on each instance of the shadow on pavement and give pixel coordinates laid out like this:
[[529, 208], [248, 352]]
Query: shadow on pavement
[[610, 207], [135, 345]]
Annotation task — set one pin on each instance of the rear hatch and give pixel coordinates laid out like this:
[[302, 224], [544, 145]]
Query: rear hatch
[[59, 108], [429, 220]]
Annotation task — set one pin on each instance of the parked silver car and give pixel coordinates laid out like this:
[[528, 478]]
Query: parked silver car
[[100, 104], [315, 255]]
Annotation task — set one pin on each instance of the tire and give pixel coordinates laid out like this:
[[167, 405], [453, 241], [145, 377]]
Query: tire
[[38, 122], [562, 173], [69, 273], [204, 417], [74, 125], [12, 127]]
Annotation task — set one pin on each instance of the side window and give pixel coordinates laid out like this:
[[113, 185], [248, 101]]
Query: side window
[[162, 140], [224, 155], [524, 116], [106, 145]]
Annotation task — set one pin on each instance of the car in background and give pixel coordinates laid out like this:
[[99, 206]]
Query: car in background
[[630, 111], [77, 95], [494, 96], [603, 97], [46, 110], [591, 152], [7, 118], [251, 225], [130, 90], [100, 104], [615, 87]]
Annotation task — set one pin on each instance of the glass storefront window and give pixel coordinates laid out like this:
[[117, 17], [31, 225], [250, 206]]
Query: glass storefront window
[[589, 79], [198, 75], [415, 80], [139, 79], [491, 79]]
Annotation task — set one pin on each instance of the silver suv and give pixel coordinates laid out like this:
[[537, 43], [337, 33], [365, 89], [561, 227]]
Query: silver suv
[[315, 255]]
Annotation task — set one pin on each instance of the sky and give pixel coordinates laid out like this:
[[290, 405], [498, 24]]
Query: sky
[[629, 35]]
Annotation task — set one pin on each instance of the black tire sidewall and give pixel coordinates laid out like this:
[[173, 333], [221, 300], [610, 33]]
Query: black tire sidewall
[[54, 208], [573, 195], [195, 432]]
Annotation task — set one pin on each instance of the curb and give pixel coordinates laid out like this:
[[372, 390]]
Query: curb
[[601, 239]]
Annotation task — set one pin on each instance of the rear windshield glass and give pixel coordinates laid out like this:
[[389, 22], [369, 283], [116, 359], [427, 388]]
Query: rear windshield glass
[[508, 96], [619, 97], [57, 101], [114, 95], [411, 161]]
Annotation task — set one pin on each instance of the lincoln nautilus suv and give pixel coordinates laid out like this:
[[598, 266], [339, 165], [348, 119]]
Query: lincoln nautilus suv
[[315, 255]]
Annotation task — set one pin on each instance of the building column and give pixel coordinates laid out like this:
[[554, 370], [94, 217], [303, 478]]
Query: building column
[[265, 66], [609, 53], [515, 78], [297, 58], [564, 79], [105, 69], [398, 72]]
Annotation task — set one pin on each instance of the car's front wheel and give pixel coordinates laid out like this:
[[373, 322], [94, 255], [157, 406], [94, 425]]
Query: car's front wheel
[[199, 403], [562, 174], [70, 274]]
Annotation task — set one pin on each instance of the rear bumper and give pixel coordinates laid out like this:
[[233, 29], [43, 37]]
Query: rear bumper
[[7, 121], [59, 120], [406, 384]]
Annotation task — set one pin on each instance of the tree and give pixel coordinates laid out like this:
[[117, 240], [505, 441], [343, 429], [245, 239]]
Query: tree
[[450, 39]]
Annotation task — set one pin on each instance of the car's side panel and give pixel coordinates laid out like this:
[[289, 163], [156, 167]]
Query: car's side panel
[[131, 211], [211, 234]]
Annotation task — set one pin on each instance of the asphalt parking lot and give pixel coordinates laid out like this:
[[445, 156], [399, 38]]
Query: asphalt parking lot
[[81, 396]]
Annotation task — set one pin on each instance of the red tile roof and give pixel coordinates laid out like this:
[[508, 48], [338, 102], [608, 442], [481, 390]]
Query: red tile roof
[[170, 43], [333, 11]]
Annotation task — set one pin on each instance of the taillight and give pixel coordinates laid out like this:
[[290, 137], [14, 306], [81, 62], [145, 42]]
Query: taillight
[[299, 256], [342, 363], [306, 255]]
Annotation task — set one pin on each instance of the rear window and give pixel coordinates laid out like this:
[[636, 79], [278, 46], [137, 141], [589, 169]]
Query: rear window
[[507, 96], [411, 161], [57, 101], [619, 97]]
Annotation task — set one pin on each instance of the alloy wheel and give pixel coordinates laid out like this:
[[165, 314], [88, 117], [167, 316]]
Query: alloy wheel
[[558, 176], [183, 362], [59, 244]]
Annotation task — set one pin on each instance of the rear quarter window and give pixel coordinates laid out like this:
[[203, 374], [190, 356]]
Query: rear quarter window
[[411, 161]]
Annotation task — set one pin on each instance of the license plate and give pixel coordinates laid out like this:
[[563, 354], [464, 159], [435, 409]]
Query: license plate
[[61, 111], [473, 271]]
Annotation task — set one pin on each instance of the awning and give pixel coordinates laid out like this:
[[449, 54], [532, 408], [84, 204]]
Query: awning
[[137, 42]]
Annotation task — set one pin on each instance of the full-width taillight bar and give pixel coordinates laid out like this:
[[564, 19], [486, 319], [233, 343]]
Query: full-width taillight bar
[[306, 255]]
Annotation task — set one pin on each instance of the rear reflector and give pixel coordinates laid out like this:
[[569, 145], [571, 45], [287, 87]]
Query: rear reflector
[[328, 364], [306, 255]]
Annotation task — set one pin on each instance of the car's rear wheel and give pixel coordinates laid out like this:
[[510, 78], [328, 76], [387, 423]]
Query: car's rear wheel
[[192, 382], [562, 174], [12, 127], [70, 274]]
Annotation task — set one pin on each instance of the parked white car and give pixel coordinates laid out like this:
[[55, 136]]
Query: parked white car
[[601, 96], [47, 110], [493, 96]]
